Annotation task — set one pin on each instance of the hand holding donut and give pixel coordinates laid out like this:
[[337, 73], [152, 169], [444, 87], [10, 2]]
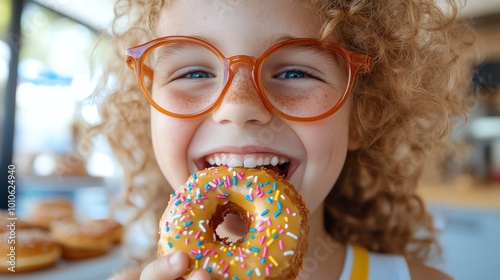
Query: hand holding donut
[[172, 266]]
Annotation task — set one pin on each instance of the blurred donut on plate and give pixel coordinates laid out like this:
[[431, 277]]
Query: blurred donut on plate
[[81, 239], [19, 222], [114, 229], [27, 250], [43, 212]]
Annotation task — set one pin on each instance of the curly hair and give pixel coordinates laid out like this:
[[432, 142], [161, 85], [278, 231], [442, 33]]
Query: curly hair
[[402, 111]]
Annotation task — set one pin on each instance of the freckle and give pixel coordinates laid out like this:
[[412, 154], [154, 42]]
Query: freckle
[[187, 103], [242, 91]]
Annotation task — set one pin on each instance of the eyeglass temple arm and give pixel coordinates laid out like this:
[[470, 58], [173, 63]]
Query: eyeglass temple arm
[[133, 64], [363, 63], [148, 71]]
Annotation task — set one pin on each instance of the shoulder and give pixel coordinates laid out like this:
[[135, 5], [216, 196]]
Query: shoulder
[[420, 271], [387, 266]]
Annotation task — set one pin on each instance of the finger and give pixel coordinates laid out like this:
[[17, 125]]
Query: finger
[[132, 273], [235, 225], [199, 274], [168, 267]]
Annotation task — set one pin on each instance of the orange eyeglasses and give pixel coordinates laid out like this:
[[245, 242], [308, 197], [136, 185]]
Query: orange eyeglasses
[[299, 79]]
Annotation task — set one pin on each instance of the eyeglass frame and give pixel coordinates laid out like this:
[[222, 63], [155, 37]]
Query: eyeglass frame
[[135, 57]]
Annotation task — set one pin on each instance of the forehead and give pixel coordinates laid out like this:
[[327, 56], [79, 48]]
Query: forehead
[[240, 24]]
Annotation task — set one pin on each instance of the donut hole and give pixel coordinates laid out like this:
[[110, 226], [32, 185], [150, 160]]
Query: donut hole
[[232, 228], [230, 223]]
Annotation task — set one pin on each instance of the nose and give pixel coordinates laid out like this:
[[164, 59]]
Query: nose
[[241, 103]]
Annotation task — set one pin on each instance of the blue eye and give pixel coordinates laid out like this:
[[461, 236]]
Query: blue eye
[[198, 75], [293, 74]]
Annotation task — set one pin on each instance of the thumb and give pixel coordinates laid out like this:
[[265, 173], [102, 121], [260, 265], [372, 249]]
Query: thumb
[[199, 274], [169, 267]]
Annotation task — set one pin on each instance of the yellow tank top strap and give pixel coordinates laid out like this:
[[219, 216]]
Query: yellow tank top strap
[[361, 263]]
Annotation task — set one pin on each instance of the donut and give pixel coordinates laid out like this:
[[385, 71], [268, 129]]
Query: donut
[[28, 250], [19, 222], [81, 239], [112, 227], [43, 212], [275, 217]]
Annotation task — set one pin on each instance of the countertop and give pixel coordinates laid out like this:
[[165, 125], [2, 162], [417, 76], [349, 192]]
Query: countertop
[[463, 192], [466, 214]]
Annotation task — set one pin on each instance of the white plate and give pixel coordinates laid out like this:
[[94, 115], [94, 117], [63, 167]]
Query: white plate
[[99, 268]]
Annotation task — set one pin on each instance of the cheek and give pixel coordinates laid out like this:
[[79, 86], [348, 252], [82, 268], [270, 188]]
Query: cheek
[[327, 140], [326, 148], [327, 145], [170, 138]]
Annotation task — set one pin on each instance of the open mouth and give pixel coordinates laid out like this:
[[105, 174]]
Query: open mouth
[[276, 163]]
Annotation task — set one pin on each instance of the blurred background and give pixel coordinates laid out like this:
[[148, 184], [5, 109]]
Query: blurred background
[[47, 53]]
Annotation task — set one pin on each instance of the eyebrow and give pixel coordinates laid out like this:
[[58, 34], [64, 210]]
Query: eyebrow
[[273, 40], [268, 41]]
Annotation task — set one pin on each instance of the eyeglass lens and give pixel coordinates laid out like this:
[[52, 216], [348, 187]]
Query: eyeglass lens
[[298, 80]]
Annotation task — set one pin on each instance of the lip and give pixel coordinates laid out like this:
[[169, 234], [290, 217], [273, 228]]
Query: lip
[[200, 162]]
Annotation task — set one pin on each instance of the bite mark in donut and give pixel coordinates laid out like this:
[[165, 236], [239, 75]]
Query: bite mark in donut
[[273, 212]]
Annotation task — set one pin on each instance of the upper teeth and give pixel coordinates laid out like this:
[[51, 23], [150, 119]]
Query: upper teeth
[[249, 161]]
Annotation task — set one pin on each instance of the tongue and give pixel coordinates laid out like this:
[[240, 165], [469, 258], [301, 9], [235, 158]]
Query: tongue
[[281, 169], [276, 169]]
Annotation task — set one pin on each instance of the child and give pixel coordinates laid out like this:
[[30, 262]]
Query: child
[[353, 144]]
